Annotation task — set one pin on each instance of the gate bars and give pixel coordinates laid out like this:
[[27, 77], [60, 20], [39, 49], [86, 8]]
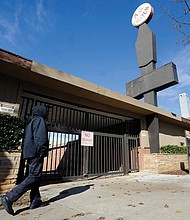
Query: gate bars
[[109, 155], [115, 150]]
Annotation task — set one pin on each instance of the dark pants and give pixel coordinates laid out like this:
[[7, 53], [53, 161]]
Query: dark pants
[[32, 182]]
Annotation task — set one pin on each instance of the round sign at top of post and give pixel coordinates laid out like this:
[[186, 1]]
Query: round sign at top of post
[[142, 14]]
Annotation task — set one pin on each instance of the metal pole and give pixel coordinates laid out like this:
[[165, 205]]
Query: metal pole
[[85, 161], [188, 150]]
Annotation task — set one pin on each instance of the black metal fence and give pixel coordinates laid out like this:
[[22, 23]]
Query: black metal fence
[[115, 148], [70, 159]]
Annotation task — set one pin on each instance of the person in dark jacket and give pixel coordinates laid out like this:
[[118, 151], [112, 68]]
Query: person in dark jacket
[[35, 148]]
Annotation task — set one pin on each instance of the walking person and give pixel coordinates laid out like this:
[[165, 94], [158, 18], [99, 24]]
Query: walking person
[[35, 148]]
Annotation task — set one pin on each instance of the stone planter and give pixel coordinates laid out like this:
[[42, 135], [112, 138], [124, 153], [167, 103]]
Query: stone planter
[[160, 163], [9, 166]]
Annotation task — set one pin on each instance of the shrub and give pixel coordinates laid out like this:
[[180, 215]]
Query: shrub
[[174, 149], [11, 132]]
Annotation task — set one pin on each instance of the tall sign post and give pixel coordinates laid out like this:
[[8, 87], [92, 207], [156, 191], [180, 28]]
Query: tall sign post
[[152, 79], [87, 140]]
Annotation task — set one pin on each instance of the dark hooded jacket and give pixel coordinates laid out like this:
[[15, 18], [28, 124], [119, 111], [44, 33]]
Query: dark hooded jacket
[[36, 135]]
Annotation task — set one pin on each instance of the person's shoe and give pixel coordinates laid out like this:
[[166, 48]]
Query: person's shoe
[[7, 205], [35, 203]]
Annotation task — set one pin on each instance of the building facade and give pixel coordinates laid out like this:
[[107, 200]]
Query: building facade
[[120, 123], [184, 105]]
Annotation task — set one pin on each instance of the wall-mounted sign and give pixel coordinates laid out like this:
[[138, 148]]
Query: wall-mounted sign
[[87, 138], [9, 108], [142, 14]]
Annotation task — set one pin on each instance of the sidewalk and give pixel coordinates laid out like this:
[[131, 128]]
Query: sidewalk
[[137, 196]]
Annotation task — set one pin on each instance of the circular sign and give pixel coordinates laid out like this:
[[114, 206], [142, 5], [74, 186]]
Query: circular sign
[[142, 14]]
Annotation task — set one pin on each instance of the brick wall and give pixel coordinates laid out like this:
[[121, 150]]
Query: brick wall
[[9, 165], [159, 163], [141, 153]]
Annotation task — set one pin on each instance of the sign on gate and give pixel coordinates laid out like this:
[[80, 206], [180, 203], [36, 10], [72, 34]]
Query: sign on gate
[[87, 138]]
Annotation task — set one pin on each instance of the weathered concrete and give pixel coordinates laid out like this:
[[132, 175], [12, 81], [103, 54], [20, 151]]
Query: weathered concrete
[[138, 196]]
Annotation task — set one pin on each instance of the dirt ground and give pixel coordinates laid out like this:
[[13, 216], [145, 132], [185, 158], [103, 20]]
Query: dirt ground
[[177, 172]]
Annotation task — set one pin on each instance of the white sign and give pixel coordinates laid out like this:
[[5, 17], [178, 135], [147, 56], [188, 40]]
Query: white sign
[[6, 107], [142, 14], [87, 138]]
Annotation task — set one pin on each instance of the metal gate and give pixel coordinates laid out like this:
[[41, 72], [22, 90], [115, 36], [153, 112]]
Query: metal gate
[[115, 150]]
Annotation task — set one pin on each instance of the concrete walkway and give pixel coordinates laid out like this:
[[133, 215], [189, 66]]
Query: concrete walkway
[[137, 196]]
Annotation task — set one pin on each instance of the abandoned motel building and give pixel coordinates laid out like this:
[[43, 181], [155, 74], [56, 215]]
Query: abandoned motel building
[[120, 124]]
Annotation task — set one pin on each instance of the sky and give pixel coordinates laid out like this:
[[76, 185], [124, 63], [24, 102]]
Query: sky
[[94, 40]]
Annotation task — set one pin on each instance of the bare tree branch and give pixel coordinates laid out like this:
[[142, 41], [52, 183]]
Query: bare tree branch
[[181, 23]]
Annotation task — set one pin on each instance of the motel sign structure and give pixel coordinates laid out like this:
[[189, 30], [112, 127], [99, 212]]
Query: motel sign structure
[[152, 80]]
